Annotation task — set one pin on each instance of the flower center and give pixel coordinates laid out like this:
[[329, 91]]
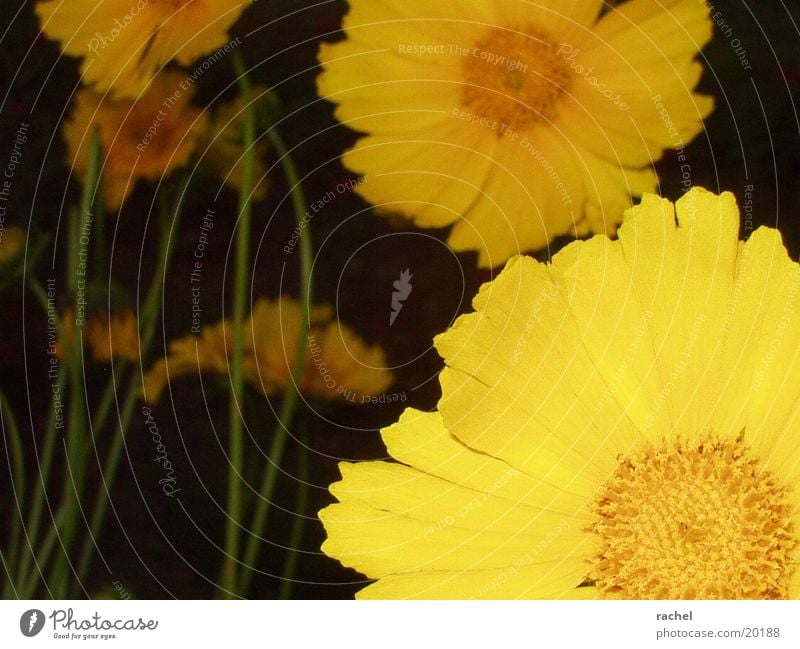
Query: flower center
[[704, 522], [515, 77]]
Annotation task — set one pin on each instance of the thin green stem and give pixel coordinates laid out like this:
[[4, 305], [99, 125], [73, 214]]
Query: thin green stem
[[279, 438], [103, 409], [43, 556], [89, 195], [235, 505], [73, 229], [152, 306], [92, 180], [45, 466], [299, 522], [76, 438], [99, 236], [100, 506], [9, 587], [41, 296], [290, 399], [74, 479], [112, 461], [306, 251], [71, 367], [14, 440]]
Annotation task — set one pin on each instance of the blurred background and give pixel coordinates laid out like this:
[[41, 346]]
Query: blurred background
[[153, 546]]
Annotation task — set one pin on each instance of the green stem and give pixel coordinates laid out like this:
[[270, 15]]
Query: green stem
[[91, 187], [112, 461], [279, 438], [168, 225], [43, 556], [9, 423], [76, 438], [109, 474], [103, 409], [74, 480], [39, 496], [235, 506], [299, 522], [281, 432], [8, 592], [99, 236], [41, 295], [73, 234]]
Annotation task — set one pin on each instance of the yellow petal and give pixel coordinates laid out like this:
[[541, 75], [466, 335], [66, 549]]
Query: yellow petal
[[533, 192], [434, 179], [762, 378], [381, 91], [441, 504], [684, 276], [568, 19], [125, 44], [380, 543], [406, 22], [613, 328], [515, 582], [654, 31], [520, 385], [420, 439]]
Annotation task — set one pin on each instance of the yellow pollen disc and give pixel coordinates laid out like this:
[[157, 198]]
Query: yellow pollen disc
[[515, 77], [704, 522]]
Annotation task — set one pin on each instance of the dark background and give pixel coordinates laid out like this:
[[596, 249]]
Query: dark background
[[153, 546]]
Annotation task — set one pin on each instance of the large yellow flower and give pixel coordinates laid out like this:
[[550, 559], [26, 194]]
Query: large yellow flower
[[142, 139], [339, 365], [515, 121], [622, 423], [125, 43]]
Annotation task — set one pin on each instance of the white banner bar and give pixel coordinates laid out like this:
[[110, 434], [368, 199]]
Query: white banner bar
[[404, 625]]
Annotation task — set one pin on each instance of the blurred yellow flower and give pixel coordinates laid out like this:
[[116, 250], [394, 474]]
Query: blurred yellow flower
[[117, 336], [125, 43], [206, 352], [12, 240], [143, 139], [114, 336], [220, 146], [515, 122], [620, 423], [339, 365]]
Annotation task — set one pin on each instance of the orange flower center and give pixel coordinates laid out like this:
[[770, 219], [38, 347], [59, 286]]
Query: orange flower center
[[515, 77], [704, 522]]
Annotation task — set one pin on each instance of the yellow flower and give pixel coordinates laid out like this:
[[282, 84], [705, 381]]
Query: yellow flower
[[621, 423], [207, 352], [342, 366], [339, 365], [143, 139], [114, 336], [12, 241], [221, 147], [117, 336], [515, 121], [125, 43], [271, 342]]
